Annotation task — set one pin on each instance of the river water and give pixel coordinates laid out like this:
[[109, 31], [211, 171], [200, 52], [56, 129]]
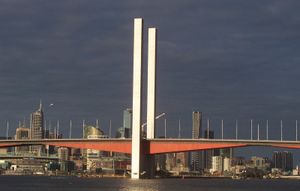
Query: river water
[[40, 183]]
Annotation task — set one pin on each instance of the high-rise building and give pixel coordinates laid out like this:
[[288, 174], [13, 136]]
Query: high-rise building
[[226, 152], [226, 164], [127, 122], [197, 124], [196, 134], [217, 164], [122, 133], [238, 161], [208, 154], [37, 129], [22, 133], [283, 160]]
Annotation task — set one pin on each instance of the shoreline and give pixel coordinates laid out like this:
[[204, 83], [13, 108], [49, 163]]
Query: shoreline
[[127, 177]]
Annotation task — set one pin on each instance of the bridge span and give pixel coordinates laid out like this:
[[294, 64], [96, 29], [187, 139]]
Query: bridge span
[[152, 146]]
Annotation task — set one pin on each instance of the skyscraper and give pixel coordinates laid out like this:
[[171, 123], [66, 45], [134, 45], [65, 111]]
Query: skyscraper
[[127, 122], [197, 122], [196, 134], [217, 164], [208, 154], [226, 152], [283, 160], [37, 128]]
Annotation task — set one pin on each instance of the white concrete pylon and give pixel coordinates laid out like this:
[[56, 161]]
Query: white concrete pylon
[[151, 83], [136, 98]]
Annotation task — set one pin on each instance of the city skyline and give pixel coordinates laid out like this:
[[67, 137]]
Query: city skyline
[[228, 60]]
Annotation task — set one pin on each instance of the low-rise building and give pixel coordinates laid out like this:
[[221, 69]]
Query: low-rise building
[[217, 164], [227, 164]]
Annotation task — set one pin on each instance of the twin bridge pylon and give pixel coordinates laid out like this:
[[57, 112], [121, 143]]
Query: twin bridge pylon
[[138, 160]]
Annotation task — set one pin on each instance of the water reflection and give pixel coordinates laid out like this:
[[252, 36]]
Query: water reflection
[[36, 183], [142, 185]]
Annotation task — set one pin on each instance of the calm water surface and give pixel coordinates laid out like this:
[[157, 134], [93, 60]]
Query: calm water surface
[[38, 183]]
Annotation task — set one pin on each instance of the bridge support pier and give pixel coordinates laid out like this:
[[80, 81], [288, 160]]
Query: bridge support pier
[[151, 100], [140, 162], [137, 154], [149, 166]]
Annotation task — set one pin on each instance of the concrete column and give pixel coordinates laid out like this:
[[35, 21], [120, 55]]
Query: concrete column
[[137, 96], [151, 92], [151, 98]]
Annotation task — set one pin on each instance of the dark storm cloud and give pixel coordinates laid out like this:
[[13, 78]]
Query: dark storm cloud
[[229, 59]]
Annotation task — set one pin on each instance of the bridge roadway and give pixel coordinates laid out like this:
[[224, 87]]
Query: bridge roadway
[[152, 146]]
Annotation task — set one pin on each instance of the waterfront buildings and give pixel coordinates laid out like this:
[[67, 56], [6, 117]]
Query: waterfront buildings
[[28, 166], [217, 161]]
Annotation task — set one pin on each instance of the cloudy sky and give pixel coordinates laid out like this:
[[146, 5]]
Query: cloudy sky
[[232, 60]]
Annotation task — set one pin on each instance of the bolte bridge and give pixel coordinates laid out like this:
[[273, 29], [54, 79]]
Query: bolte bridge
[[152, 146]]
